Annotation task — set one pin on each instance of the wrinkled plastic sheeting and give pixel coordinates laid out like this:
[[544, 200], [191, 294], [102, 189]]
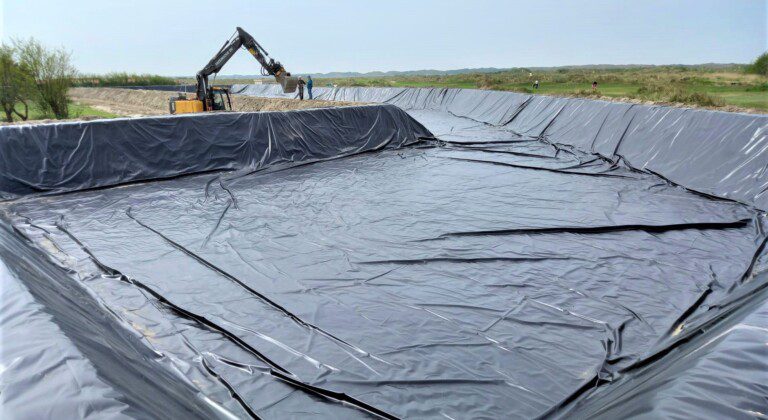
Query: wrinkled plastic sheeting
[[63, 355], [83, 155], [717, 153], [493, 273], [709, 380], [34, 347], [417, 281]]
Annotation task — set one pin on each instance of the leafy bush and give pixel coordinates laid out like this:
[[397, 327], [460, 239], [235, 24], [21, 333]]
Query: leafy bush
[[124, 79], [490, 81], [696, 98], [521, 89], [16, 87], [760, 66], [758, 88], [586, 93], [53, 73], [668, 93]]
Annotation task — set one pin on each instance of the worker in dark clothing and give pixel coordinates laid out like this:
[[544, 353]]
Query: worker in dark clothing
[[309, 86], [300, 85]]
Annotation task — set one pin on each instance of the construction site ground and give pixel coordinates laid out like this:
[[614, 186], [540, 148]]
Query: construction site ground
[[132, 102]]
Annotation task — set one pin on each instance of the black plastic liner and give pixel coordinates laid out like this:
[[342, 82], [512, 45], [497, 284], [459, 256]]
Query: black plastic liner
[[165, 88], [718, 153], [82, 155], [63, 354], [506, 269]]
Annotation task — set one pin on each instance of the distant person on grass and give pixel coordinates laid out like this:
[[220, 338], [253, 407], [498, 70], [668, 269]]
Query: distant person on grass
[[309, 86], [594, 85], [301, 84], [536, 84]]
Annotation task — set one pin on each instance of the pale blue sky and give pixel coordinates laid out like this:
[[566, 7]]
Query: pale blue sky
[[165, 37]]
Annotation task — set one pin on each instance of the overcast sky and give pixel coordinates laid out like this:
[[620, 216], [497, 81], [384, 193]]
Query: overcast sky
[[179, 37]]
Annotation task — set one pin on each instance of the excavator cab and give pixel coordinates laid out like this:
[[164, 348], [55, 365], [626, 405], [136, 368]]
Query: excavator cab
[[220, 100]]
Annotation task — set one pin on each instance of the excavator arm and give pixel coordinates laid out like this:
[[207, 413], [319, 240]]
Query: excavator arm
[[243, 39]]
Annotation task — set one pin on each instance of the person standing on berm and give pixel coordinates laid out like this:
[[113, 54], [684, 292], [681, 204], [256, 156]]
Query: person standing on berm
[[301, 84]]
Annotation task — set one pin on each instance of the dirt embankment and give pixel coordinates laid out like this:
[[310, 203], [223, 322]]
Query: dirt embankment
[[130, 102]]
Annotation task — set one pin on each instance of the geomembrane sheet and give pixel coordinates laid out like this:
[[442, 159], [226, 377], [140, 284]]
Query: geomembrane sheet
[[474, 272]]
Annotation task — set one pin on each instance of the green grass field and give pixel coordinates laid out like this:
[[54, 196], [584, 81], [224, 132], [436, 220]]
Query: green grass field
[[715, 86], [726, 87], [76, 110], [692, 87]]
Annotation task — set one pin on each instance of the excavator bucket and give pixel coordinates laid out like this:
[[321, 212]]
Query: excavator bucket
[[288, 83]]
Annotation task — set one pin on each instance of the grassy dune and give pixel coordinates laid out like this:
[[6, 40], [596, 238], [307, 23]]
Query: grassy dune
[[697, 86], [726, 87]]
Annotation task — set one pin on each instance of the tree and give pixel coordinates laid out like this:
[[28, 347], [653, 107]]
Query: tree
[[760, 66], [16, 87], [53, 73]]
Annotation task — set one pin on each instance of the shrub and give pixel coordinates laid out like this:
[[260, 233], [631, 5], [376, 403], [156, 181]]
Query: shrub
[[760, 65], [758, 88], [668, 93], [123, 79], [16, 87], [696, 98], [497, 81], [586, 93], [53, 73]]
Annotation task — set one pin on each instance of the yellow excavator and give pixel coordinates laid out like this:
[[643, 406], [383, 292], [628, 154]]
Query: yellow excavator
[[210, 98]]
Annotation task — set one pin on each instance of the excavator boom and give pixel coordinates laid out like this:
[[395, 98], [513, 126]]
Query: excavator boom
[[217, 98], [244, 39]]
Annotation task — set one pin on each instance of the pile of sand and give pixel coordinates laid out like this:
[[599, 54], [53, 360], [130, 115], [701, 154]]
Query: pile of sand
[[130, 102]]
